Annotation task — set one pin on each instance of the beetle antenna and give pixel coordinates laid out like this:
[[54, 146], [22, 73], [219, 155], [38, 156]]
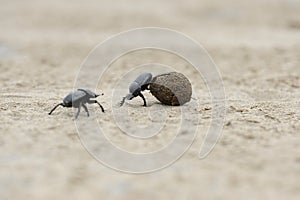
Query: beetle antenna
[[60, 104], [97, 95]]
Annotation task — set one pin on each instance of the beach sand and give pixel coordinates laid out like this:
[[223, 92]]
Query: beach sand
[[255, 45]]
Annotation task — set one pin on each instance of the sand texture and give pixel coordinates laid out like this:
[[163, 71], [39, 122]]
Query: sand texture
[[256, 46]]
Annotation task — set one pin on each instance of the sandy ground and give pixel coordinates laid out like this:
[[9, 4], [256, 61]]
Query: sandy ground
[[256, 45]]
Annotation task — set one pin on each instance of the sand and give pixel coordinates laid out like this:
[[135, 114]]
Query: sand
[[256, 46]]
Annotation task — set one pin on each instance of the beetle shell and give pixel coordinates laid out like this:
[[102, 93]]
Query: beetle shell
[[89, 93], [144, 78], [171, 88], [139, 84], [79, 96], [134, 87]]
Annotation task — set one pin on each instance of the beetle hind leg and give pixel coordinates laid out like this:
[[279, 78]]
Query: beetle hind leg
[[142, 96], [78, 111]]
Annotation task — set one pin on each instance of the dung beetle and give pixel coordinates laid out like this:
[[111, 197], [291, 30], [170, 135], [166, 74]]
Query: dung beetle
[[78, 99], [140, 84]]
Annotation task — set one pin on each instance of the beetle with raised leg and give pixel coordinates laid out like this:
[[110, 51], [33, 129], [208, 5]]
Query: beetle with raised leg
[[78, 99]]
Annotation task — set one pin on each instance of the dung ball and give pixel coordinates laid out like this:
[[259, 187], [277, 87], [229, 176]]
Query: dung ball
[[171, 88]]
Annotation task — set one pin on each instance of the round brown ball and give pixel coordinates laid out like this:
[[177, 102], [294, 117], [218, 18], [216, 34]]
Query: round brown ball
[[171, 88]]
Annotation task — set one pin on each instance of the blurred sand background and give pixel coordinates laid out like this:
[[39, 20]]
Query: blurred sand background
[[256, 45]]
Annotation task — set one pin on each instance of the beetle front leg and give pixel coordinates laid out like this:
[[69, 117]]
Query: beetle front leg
[[95, 101], [122, 102]]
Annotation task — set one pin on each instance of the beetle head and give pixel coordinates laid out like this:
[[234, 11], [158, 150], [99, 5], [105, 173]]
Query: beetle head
[[97, 95], [129, 96]]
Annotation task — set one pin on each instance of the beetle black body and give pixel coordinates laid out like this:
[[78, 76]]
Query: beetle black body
[[78, 99], [140, 84]]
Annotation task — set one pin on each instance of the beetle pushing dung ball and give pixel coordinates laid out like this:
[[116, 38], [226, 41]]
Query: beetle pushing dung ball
[[170, 88], [78, 99], [140, 84]]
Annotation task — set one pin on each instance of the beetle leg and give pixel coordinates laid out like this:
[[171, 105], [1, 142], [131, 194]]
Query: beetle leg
[[60, 104], [86, 109], [95, 101], [141, 95], [122, 102], [78, 110], [100, 105]]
